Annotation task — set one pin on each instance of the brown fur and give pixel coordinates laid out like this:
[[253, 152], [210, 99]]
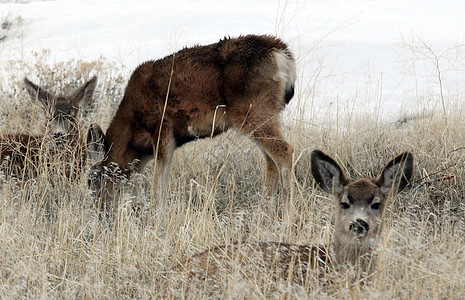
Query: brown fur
[[286, 261], [245, 82], [61, 139], [354, 241]]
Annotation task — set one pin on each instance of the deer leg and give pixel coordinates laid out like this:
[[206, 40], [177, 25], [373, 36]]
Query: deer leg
[[164, 150], [271, 176], [280, 153], [270, 141]]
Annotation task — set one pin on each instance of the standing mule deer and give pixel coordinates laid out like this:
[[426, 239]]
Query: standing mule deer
[[242, 83], [359, 210], [62, 137]]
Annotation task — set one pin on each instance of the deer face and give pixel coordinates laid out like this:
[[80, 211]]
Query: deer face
[[62, 111], [63, 115], [359, 208], [360, 203]]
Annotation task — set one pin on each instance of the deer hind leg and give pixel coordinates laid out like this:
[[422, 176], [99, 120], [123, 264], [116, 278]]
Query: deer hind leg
[[164, 148], [273, 144], [271, 176], [278, 153]]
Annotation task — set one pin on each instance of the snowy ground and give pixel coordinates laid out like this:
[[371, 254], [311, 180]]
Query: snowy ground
[[364, 52]]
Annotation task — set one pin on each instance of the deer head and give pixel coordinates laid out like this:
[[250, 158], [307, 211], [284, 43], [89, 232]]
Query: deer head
[[62, 110], [359, 203]]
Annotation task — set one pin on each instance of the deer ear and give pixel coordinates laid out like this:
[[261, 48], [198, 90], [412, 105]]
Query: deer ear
[[327, 173], [83, 94], [96, 143], [38, 93], [396, 174]]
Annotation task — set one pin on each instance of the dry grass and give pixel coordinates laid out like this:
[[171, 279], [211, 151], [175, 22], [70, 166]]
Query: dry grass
[[54, 246]]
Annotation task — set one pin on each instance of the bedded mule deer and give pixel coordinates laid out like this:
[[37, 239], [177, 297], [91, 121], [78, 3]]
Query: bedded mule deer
[[242, 83], [359, 209], [61, 138]]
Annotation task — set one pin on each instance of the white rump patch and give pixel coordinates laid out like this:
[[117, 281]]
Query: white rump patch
[[286, 69]]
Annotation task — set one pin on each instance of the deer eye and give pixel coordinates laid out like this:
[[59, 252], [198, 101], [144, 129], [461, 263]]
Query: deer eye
[[350, 198], [345, 205], [376, 206]]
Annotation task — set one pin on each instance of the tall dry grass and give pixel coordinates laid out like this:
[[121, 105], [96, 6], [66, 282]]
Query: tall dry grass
[[53, 244]]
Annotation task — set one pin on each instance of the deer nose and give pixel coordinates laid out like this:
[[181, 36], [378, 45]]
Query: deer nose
[[359, 227]]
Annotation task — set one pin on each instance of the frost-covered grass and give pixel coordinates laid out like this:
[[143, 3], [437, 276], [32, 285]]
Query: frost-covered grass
[[54, 246]]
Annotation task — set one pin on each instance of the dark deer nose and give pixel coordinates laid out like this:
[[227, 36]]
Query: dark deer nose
[[359, 227]]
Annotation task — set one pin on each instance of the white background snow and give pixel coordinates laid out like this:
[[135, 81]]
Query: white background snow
[[348, 52]]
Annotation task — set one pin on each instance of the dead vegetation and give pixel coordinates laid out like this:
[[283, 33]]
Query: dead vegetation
[[53, 244]]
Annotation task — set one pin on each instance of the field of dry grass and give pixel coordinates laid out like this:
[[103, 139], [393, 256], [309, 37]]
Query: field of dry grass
[[53, 244]]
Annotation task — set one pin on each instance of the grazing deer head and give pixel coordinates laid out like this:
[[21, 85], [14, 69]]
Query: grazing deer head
[[360, 206], [96, 150], [242, 83], [62, 135], [95, 143]]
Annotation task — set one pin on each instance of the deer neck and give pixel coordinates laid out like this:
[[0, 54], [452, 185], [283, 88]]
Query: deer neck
[[354, 251]]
